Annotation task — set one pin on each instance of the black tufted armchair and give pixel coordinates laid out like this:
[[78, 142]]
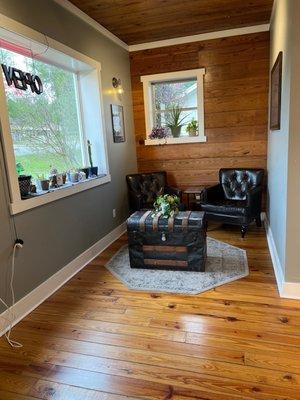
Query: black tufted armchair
[[144, 188], [236, 199]]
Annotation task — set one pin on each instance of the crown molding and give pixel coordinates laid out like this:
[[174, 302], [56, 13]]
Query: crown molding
[[200, 37], [273, 11], [90, 21]]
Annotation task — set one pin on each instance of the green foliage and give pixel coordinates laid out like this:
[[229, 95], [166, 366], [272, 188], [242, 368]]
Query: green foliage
[[167, 205], [192, 126], [40, 164], [19, 168], [174, 117]]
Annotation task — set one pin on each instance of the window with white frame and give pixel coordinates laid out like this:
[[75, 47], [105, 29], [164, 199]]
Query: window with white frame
[[57, 135], [45, 129], [174, 104]]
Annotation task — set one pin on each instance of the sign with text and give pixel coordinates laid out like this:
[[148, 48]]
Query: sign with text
[[22, 80]]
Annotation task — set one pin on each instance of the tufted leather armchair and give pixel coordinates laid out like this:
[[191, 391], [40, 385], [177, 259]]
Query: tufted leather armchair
[[144, 188], [236, 199]]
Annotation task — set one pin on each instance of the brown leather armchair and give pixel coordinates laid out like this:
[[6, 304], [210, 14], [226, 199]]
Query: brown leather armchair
[[144, 188]]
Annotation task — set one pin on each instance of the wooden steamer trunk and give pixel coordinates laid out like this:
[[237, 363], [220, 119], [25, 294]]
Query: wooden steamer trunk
[[159, 243]]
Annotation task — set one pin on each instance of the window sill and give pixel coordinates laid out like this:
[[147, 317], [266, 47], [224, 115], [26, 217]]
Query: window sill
[[56, 194], [179, 140]]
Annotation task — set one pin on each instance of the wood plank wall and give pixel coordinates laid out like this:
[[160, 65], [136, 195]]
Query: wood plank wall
[[236, 107]]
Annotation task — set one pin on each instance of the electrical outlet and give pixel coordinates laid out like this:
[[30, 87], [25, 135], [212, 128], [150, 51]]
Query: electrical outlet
[[114, 213]]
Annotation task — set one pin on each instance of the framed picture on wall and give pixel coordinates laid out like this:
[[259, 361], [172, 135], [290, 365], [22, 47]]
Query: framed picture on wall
[[276, 83], [118, 127]]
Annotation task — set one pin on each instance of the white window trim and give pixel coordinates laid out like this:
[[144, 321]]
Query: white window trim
[[60, 193], [147, 80], [39, 40]]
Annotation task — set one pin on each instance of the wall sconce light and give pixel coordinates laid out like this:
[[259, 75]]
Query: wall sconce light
[[117, 84]]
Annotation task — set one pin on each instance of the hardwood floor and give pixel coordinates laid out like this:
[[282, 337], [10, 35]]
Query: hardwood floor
[[95, 339]]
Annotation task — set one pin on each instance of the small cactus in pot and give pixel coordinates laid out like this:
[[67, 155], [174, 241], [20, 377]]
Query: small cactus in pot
[[93, 170]]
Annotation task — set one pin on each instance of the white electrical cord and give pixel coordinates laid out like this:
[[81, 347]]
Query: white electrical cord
[[11, 317]]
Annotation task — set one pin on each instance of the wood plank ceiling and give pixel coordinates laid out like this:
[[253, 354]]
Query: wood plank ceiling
[[140, 21]]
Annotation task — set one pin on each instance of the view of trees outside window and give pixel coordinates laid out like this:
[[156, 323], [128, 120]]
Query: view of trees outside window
[[45, 128], [166, 95]]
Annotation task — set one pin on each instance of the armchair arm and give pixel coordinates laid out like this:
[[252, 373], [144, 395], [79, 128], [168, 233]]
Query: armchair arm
[[213, 193], [173, 191], [253, 199], [135, 201]]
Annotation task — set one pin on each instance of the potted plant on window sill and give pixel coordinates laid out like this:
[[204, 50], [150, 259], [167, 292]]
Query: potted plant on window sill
[[93, 171], [192, 128], [158, 133], [86, 170], [43, 183], [24, 180], [174, 120]]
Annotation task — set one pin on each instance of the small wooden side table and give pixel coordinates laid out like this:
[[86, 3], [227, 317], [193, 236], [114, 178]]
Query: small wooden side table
[[195, 193]]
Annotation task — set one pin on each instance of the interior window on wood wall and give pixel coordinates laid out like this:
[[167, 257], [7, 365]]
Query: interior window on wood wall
[[174, 109]]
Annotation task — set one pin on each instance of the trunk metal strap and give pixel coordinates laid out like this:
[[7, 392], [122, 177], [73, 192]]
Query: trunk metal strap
[[185, 220], [171, 224], [155, 222], [143, 220]]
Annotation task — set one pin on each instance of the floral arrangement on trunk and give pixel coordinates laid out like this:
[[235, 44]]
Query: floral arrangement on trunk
[[166, 205], [158, 133]]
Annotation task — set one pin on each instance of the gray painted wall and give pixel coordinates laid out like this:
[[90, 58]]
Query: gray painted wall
[[292, 273], [56, 233], [278, 140], [284, 145]]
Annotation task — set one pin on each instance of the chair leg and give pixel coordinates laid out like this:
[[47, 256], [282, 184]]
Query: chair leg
[[258, 221], [244, 229]]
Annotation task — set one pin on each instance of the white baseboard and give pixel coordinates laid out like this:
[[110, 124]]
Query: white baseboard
[[274, 255], [33, 299], [289, 290]]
